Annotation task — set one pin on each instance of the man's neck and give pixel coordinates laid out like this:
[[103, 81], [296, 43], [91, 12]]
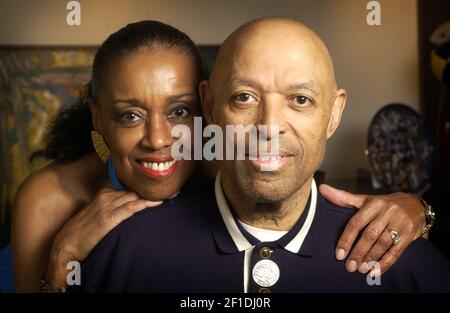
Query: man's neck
[[281, 215]]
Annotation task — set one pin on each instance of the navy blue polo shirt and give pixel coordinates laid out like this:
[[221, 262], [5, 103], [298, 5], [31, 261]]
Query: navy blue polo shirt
[[193, 243]]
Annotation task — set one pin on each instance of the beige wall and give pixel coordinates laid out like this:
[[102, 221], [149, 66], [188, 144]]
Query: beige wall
[[376, 64]]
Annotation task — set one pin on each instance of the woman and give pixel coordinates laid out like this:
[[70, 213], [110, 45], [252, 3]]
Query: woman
[[144, 82]]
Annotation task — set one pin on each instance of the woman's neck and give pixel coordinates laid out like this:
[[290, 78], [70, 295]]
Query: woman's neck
[[86, 176]]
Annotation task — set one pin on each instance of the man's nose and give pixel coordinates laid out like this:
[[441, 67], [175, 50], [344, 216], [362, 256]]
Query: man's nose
[[157, 132], [271, 116]]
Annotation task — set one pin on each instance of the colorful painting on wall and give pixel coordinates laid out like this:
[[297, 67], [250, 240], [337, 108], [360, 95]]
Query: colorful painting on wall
[[34, 85]]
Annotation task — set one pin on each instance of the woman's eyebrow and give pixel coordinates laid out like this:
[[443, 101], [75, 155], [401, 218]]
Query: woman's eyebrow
[[180, 96], [134, 102]]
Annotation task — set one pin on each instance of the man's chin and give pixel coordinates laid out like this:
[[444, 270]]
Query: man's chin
[[266, 192]]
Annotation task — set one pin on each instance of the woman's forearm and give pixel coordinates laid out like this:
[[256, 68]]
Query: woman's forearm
[[57, 267]]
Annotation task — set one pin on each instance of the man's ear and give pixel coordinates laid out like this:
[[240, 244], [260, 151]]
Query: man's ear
[[337, 107], [206, 101]]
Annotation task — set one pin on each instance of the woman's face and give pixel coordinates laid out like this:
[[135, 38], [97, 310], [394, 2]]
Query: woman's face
[[143, 96]]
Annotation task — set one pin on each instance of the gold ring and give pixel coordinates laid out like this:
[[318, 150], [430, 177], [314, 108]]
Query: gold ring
[[395, 235]]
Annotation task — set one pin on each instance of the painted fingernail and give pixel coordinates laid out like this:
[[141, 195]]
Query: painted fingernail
[[340, 254], [363, 268], [352, 266]]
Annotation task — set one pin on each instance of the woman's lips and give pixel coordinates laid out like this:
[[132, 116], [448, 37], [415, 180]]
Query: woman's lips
[[157, 168]]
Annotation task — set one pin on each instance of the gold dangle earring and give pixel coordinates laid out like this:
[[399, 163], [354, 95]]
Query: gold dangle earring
[[100, 146]]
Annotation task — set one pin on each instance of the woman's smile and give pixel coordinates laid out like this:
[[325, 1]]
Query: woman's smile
[[148, 93], [157, 167]]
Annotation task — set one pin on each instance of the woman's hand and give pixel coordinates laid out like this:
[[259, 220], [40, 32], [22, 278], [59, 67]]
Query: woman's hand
[[401, 212], [83, 231]]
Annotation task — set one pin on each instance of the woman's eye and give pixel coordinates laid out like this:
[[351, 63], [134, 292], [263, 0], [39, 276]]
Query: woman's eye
[[130, 117], [179, 113], [301, 101], [244, 97]]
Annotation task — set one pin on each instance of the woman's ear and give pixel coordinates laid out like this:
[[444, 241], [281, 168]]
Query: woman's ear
[[87, 99], [206, 101], [95, 112], [337, 107]]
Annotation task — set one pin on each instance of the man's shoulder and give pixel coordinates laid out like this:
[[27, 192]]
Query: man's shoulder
[[421, 267], [151, 236], [340, 212], [333, 215], [185, 211], [337, 216]]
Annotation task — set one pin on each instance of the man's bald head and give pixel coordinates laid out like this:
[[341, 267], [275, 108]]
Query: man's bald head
[[279, 35], [274, 72]]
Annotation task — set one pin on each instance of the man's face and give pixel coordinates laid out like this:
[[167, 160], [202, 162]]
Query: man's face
[[284, 83]]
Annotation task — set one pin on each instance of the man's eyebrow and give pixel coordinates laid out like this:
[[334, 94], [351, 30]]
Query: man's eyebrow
[[309, 85], [243, 81]]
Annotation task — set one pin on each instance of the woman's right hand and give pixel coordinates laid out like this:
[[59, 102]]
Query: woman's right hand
[[84, 230]]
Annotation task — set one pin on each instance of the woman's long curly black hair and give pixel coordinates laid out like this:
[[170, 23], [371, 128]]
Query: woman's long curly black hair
[[68, 137]]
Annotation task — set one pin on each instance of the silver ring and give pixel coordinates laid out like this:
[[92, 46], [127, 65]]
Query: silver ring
[[395, 235]]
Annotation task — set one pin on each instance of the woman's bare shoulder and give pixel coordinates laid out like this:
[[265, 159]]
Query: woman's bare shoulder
[[44, 202], [60, 186]]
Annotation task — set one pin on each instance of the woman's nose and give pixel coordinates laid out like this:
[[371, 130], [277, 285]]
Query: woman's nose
[[158, 132]]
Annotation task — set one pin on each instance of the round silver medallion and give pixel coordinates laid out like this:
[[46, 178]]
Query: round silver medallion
[[266, 273]]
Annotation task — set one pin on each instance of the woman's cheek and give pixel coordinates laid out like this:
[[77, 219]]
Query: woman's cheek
[[125, 141]]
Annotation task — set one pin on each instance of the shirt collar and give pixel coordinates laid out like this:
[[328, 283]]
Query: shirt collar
[[295, 237]]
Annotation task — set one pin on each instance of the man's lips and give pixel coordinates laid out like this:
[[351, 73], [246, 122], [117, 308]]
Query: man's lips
[[157, 166], [270, 162]]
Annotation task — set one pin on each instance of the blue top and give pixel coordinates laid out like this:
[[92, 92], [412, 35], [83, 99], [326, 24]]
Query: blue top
[[116, 184], [192, 243]]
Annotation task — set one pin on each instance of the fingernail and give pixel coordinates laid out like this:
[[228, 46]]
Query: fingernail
[[352, 266], [375, 272], [363, 268], [340, 254]]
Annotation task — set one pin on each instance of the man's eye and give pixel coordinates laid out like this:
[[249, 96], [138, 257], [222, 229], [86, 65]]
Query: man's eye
[[301, 101], [179, 113], [243, 98], [130, 117]]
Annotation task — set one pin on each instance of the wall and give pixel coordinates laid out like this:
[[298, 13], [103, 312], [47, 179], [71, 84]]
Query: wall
[[376, 64]]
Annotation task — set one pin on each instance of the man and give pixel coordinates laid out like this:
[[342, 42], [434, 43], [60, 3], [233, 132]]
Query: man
[[258, 231]]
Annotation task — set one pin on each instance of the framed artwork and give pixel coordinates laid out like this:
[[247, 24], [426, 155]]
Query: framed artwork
[[400, 149], [36, 83]]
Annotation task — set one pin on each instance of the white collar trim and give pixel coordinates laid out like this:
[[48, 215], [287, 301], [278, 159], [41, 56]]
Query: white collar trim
[[240, 241]]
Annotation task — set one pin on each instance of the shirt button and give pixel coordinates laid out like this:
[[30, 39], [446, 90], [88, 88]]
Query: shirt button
[[265, 253], [264, 290]]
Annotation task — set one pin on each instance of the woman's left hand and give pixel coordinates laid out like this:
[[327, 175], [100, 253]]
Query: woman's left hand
[[400, 212]]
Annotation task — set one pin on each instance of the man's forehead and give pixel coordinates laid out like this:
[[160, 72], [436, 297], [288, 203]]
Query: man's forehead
[[291, 70], [274, 47], [281, 60], [286, 83]]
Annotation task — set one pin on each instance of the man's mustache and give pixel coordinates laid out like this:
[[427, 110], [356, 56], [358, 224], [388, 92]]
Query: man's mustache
[[264, 149]]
